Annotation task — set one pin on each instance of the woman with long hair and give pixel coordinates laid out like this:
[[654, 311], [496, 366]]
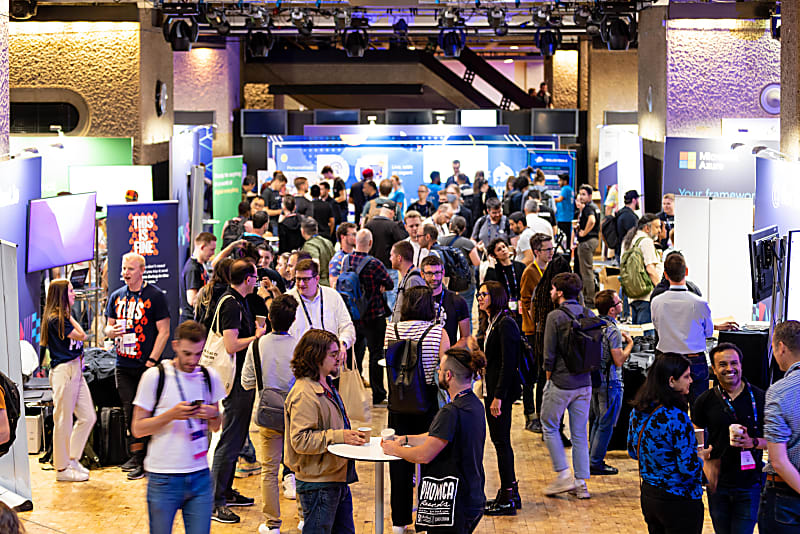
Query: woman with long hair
[[209, 294], [64, 337], [416, 324], [502, 341], [661, 437]]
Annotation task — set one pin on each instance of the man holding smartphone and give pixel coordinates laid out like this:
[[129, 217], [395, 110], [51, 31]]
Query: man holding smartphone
[[176, 404]]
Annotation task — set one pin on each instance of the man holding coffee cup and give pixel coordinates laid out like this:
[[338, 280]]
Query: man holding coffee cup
[[733, 413]]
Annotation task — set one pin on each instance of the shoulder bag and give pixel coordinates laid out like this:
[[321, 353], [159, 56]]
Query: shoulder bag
[[269, 413], [214, 354]]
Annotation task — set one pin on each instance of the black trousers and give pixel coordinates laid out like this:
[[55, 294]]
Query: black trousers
[[401, 472], [238, 408], [527, 389], [566, 227], [127, 379], [666, 513], [500, 433], [369, 335]]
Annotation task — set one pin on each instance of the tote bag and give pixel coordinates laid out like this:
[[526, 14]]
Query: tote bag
[[214, 354], [355, 398]]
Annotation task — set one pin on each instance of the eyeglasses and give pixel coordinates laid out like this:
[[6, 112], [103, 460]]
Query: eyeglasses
[[545, 249], [433, 273], [253, 275], [304, 279], [482, 295]]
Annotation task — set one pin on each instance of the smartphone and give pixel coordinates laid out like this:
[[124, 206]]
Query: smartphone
[[197, 403]]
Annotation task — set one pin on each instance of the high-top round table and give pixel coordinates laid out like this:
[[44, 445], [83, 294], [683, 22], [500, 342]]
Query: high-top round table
[[371, 452]]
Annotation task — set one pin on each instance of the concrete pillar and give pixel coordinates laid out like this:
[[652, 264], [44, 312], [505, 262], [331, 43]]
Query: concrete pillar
[[155, 65], [548, 73], [584, 45], [4, 107], [790, 79]]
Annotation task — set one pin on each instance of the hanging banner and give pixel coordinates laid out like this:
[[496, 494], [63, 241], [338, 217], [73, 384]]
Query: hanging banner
[[777, 195], [147, 229], [226, 190], [707, 168]]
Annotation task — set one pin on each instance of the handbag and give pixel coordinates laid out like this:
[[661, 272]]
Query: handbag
[[269, 411], [214, 354], [354, 395]]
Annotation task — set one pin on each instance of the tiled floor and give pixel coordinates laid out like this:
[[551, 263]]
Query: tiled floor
[[109, 503]]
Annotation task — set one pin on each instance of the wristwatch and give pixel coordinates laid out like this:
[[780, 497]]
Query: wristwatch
[[755, 444], [406, 441], [151, 360]]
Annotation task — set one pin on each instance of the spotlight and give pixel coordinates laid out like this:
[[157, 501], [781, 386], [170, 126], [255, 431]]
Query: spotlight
[[450, 18], [582, 15], [23, 9], [616, 33], [355, 41], [260, 43], [497, 21], [548, 40], [399, 39], [341, 19], [218, 21], [452, 41], [302, 21], [541, 16], [180, 33]]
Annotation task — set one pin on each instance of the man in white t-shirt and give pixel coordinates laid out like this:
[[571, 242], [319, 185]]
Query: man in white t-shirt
[[519, 225], [647, 231], [176, 404], [536, 222]]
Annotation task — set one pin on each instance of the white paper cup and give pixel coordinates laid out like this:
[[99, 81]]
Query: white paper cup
[[387, 434], [367, 431], [735, 431], [700, 436], [261, 320]]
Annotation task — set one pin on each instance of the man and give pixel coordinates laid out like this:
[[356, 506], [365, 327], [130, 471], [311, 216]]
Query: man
[[239, 329], [491, 226], [320, 248], [733, 470], [194, 275], [565, 207], [256, 204], [544, 97], [451, 309], [319, 306], [537, 223], [626, 218], [780, 500], [435, 186], [385, 233], [588, 236], [683, 322], [260, 222], [302, 204], [289, 236], [233, 228], [178, 418], [325, 196], [346, 235], [422, 206], [607, 395], [272, 197], [356, 196], [413, 225], [667, 216], [441, 219], [294, 258], [371, 329], [370, 193], [453, 179], [402, 257], [648, 229], [565, 391], [459, 205], [427, 239], [323, 214], [542, 246], [519, 225], [374, 205], [137, 317]]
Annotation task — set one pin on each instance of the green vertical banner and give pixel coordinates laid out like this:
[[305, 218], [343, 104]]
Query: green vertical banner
[[226, 190]]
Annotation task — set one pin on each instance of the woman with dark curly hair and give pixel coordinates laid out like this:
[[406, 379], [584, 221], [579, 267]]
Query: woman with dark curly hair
[[315, 418], [9, 522]]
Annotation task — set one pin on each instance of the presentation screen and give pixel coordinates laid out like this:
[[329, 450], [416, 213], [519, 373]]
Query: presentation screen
[[112, 182], [793, 277], [60, 231]]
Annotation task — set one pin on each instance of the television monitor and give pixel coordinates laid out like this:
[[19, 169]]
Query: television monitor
[[554, 121], [792, 304], [60, 231], [263, 122], [409, 116], [479, 117], [762, 259], [337, 116]]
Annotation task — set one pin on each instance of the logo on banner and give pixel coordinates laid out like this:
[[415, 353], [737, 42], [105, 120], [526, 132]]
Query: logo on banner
[[143, 230], [688, 160], [703, 161]]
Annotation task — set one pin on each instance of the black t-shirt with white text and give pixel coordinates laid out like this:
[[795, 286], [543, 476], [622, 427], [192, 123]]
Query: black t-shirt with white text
[[140, 310]]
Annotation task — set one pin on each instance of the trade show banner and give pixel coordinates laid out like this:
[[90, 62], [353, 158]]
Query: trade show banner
[[183, 147], [777, 195], [20, 182], [147, 229], [606, 178], [621, 147], [226, 190], [707, 168]]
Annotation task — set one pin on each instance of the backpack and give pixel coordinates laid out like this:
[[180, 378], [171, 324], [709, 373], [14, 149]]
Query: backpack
[[483, 221], [633, 275], [512, 202], [608, 229], [233, 231], [13, 410], [408, 391], [349, 287], [584, 342], [456, 266]]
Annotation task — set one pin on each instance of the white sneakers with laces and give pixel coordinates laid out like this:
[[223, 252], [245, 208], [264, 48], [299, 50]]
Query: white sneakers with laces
[[580, 490], [264, 529], [290, 487], [76, 465], [71, 474], [563, 483]]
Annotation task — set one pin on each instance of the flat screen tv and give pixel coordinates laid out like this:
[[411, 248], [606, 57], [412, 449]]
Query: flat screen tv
[[60, 231], [554, 122], [337, 116], [263, 122], [409, 116], [762, 259]]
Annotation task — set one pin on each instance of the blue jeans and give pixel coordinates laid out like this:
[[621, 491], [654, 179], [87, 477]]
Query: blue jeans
[[640, 314], [189, 492], [605, 408], [328, 510], [469, 296], [699, 372], [391, 295], [734, 510], [779, 511], [576, 401]]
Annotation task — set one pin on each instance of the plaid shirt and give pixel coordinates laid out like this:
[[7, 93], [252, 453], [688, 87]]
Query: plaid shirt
[[372, 278]]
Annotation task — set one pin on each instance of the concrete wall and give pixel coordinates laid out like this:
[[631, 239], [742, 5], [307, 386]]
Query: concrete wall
[[209, 79], [565, 79], [4, 110], [652, 97]]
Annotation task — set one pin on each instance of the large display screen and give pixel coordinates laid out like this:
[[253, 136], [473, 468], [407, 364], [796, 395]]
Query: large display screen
[[554, 121], [60, 231], [263, 122]]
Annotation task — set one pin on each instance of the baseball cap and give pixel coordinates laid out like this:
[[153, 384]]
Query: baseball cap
[[367, 173], [630, 195]]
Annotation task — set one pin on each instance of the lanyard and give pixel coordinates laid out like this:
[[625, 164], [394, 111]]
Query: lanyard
[[491, 325], [727, 400], [512, 287], [440, 307], [321, 309], [183, 395], [538, 269]]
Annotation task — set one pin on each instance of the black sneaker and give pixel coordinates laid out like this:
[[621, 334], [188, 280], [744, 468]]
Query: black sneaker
[[223, 514], [237, 499], [136, 473], [131, 464], [604, 469], [565, 441]]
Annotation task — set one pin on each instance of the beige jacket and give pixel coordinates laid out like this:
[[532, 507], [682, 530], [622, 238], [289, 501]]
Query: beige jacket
[[312, 423]]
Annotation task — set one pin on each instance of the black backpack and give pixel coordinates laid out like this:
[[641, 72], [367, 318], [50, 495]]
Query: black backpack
[[528, 370], [13, 410], [456, 266], [512, 202], [583, 352], [408, 391], [609, 230], [233, 231]]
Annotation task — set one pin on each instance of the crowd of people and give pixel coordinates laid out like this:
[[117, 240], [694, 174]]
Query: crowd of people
[[298, 291]]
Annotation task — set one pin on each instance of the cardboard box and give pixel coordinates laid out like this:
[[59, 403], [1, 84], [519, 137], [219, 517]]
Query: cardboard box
[[609, 278], [33, 424]]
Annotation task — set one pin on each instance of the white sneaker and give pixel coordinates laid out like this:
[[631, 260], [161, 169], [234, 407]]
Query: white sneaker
[[580, 490], [71, 475], [264, 529], [300, 525], [77, 466], [564, 482], [290, 487], [398, 530]]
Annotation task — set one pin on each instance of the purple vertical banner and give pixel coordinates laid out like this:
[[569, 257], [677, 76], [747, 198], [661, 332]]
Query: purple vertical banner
[[606, 178], [777, 195], [21, 182], [147, 229]]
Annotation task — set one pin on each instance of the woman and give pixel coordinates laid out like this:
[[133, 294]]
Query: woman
[[416, 324], [483, 192], [661, 437], [452, 447], [209, 294], [507, 272], [398, 193], [63, 337], [340, 197], [501, 343]]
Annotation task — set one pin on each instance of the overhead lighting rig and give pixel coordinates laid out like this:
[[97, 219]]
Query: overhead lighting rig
[[452, 33], [355, 39], [302, 21], [618, 31], [180, 33], [496, 17]]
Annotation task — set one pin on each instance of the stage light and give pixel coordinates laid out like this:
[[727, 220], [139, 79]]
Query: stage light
[[541, 16], [301, 19], [260, 43], [497, 21], [548, 40], [616, 33], [582, 15], [180, 33], [355, 42], [341, 19], [218, 21], [450, 18], [452, 41], [399, 39], [22, 9]]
